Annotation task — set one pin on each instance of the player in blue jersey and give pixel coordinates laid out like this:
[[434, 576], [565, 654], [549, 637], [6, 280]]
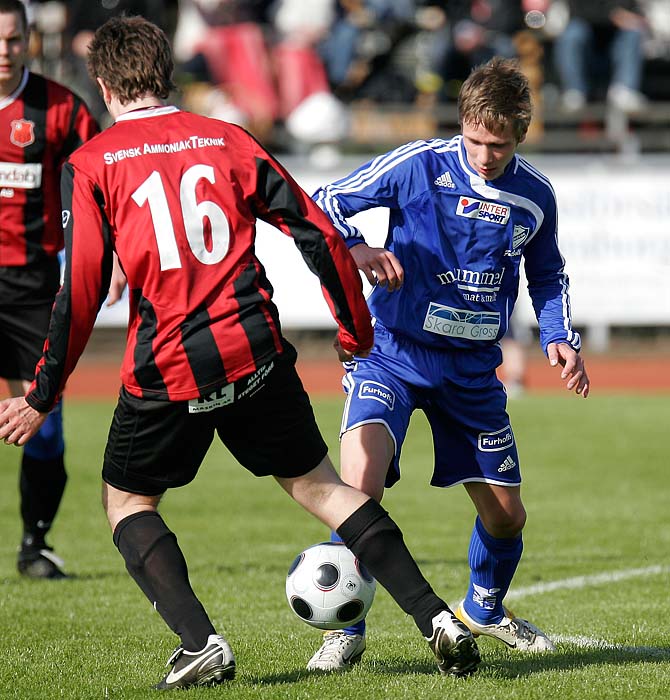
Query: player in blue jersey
[[463, 213]]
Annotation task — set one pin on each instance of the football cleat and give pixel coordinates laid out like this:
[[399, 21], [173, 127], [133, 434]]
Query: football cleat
[[453, 645], [339, 652], [514, 631], [39, 562], [209, 666]]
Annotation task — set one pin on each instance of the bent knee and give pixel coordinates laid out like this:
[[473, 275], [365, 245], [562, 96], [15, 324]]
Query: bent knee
[[504, 523]]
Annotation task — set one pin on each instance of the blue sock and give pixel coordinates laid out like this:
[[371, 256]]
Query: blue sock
[[493, 562], [359, 627]]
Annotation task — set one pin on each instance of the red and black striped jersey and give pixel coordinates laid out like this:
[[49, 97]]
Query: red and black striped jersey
[[177, 196], [41, 124]]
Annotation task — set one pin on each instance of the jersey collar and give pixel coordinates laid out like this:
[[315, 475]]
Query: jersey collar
[[10, 98], [144, 112]]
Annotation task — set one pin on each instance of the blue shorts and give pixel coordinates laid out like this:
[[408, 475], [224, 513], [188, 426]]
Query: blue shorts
[[460, 394]]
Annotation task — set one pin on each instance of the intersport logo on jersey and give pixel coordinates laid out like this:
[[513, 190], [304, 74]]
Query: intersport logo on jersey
[[483, 210]]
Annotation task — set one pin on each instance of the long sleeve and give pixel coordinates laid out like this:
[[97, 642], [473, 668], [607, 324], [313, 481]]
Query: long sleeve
[[286, 206], [548, 284], [88, 251]]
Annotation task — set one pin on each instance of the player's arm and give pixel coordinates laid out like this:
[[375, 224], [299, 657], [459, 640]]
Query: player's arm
[[548, 286], [88, 268], [283, 203], [379, 183]]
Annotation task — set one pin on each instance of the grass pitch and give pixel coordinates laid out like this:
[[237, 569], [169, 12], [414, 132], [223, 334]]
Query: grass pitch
[[595, 573]]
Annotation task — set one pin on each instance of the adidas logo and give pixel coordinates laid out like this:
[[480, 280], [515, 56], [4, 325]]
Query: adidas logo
[[445, 181], [508, 464]]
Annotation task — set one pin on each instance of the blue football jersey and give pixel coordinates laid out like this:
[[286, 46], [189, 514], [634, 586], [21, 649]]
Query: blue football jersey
[[460, 240]]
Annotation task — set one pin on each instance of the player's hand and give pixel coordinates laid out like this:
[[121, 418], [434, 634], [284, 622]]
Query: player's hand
[[573, 366], [19, 421], [117, 283], [379, 266], [346, 356]]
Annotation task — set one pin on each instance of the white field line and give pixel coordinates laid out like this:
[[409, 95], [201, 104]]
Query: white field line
[[585, 581], [592, 643]]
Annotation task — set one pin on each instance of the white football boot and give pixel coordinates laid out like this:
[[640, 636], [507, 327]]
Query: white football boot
[[339, 652], [514, 631]]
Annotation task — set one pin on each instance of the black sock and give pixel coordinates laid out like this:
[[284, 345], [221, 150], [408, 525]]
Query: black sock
[[155, 561], [376, 540], [41, 484]]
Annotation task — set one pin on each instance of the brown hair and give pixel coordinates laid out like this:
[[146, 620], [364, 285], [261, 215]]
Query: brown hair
[[494, 95], [133, 57], [8, 6]]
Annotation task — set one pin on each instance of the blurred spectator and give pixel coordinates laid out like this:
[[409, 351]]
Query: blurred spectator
[[310, 111], [360, 49], [224, 62], [83, 18], [255, 63], [461, 34], [609, 29]]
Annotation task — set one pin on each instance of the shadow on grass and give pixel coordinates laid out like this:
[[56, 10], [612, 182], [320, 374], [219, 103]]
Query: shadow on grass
[[502, 669]]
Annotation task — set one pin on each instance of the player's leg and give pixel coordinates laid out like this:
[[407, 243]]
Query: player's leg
[[475, 445], [42, 475], [495, 551], [370, 533], [294, 452], [365, 455], [42, 482], [154, 445]]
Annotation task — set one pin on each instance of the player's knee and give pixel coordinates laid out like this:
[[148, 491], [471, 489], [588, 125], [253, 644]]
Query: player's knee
[[48, 443], [505, 523]]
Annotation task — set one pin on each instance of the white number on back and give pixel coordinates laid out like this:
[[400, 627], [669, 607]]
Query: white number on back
[[193, 214]]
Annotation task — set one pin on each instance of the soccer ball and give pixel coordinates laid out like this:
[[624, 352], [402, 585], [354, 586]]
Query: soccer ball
[[328, 588]]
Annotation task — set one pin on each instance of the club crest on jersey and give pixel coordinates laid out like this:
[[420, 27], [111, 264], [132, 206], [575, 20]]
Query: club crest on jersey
[[483, 210], [519, 235], [22, 133]]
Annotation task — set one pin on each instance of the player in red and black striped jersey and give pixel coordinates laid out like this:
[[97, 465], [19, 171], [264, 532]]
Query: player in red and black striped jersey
[[177, 196], [41, 124]]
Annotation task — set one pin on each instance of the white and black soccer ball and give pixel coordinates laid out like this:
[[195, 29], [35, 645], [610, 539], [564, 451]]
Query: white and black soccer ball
[[327, 587]]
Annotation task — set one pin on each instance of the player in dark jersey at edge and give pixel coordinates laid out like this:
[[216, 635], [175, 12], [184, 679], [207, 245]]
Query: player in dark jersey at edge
[[177, 196], [41, 124], [463, 213]]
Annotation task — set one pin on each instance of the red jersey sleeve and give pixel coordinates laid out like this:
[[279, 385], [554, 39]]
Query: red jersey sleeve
[[285, 205], [88, 265]]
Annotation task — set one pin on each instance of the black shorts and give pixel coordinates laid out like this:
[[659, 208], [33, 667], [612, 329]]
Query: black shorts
[[265, 420], [23, 330]]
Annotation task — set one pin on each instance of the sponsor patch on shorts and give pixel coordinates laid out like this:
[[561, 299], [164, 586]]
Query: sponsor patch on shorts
[[245, 387], [221, 397], [378, 392], [496, 441]]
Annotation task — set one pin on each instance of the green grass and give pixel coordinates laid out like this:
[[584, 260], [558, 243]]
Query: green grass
[[596, 491]]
